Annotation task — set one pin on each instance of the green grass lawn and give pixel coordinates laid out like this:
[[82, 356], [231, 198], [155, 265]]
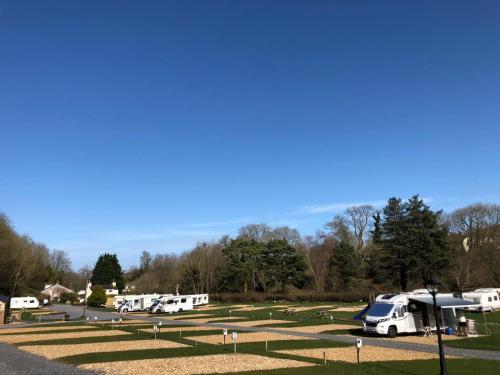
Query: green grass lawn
[[490, 340]]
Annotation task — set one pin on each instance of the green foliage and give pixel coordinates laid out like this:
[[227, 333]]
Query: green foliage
[[106, 270], [98, 297], [261, 266], [412, 239], [68, 297], [282, 265], [345, 263]]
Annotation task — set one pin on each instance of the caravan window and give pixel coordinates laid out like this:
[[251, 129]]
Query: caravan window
[[183, 300], [489, 299], [496, 298], [170, 301]]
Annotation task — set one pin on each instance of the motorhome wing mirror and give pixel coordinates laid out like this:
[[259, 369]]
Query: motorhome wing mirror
[[394, 315]]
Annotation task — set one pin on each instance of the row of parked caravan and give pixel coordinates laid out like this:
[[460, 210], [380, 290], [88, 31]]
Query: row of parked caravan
[[159, 303]]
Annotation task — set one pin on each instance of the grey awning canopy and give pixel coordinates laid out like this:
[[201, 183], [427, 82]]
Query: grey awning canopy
[[446, 302]]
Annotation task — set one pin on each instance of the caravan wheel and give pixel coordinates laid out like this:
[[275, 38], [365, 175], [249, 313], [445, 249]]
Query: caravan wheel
[[392, 331]]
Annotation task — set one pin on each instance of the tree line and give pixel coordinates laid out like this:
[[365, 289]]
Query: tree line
[[362, 249]]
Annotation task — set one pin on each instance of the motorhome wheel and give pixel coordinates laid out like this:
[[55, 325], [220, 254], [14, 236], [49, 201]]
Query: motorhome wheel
[[392, 331]]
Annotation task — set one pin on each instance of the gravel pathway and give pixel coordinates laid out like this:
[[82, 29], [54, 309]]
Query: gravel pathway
[[16, 362]]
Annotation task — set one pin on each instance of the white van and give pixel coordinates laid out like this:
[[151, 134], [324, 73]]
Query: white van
[[392, 314], [172, 304], [488, 299], [24, 303]]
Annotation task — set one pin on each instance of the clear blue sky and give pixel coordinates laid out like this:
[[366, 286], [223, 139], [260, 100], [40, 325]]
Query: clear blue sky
[[130, 126]]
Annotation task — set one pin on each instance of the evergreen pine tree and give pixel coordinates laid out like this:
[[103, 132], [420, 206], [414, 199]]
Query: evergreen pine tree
[[107, 269]]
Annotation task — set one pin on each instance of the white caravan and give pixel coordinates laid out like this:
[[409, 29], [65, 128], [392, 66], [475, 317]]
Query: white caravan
[[488, 299], [199, 299], [172, 304], [392, 314], [24, 303]]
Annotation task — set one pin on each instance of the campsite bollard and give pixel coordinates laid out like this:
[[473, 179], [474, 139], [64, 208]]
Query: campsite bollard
[[359, 344], [331, 318], [235, 338], [224, 333], [196, 343], [159, 327], [229, 312], [180, 333], [266, 346], [270, 315], [324, 358]]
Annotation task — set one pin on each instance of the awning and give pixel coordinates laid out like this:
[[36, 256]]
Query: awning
[[446, 302]]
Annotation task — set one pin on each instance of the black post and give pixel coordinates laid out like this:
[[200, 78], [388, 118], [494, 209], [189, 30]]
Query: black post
[[442, 362]]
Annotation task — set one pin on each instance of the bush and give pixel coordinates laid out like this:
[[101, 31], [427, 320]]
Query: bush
[[98, 297], [68, 297]]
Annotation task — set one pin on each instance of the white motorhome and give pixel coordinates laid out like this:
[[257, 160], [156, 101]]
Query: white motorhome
[[172, 304], [117, 300], [24, 303], [199, 299], [137, 302], [488, 299], [392, 314]]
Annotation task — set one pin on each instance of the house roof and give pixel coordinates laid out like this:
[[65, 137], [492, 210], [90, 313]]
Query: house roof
[[57, 286]]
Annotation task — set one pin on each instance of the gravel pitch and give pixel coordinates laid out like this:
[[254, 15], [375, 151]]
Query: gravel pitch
[[57, 351], [15, 339], [307, 308], [209, 364], [16, 362], [367, 354], [348, 309], [322, 328], [246, 337], [29, 330]]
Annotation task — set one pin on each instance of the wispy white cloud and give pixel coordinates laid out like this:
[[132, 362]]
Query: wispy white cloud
[[161, 234], [341, 206], [337, 207]]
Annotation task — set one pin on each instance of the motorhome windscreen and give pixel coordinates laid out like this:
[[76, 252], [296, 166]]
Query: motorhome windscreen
[[380, 309]]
